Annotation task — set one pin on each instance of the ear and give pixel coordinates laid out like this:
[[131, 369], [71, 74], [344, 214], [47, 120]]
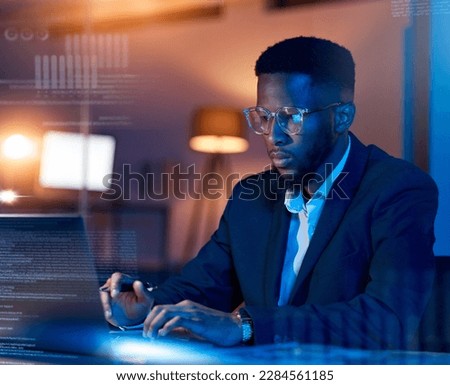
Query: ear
[[343, 117]]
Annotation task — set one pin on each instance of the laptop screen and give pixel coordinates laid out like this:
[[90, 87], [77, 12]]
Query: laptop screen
[[48, 287]]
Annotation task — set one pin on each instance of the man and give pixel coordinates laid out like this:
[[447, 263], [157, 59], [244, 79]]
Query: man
[[332, 246]]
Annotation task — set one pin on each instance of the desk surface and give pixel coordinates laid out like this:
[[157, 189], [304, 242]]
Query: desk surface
[[132, 350]]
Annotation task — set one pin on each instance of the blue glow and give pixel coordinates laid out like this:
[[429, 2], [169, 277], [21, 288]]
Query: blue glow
[[439, 131], [142, 351]]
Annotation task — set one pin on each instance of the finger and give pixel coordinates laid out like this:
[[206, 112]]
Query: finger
[[117, 281], [106, 286], [195, 325], [114, 284], [106, 304], [155, 318], [141, 292], [160, 315], [170, 325]]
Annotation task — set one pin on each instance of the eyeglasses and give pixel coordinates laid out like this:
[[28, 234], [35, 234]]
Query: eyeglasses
[[290, 119]]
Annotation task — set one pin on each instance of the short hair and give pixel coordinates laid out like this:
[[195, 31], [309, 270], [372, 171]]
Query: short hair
[[326, 62]]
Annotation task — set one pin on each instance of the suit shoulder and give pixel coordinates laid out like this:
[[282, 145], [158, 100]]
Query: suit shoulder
[[259, 177], [384, 167], [264, 184]]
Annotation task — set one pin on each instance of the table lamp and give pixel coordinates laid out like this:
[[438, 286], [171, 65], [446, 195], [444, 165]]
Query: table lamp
[[217, 131]]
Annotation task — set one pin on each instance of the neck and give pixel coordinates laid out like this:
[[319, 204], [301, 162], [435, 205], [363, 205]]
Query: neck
[[313, 183]]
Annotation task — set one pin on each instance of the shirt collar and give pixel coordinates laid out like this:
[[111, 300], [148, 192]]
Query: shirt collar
[[295, 202]]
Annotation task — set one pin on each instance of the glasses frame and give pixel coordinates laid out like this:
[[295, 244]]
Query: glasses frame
[[275, 115]]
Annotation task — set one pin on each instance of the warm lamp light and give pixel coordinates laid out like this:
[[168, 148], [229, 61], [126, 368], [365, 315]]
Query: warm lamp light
[[8, 196], [218, 130], [18, 146]]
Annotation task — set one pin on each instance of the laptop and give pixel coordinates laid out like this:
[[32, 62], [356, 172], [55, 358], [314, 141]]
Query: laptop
[[50, 310], [49, 304]]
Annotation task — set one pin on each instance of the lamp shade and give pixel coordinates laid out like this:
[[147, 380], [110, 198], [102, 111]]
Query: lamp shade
[[218, 130]]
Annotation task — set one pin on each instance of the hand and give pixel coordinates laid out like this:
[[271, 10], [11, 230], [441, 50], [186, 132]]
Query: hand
[[209, 324], [125, 308]]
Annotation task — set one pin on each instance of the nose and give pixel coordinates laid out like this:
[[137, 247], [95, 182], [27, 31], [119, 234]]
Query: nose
[[275, 134]]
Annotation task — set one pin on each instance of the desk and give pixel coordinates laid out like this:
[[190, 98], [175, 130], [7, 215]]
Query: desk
[[286, 353], [295, 353], [133, 350]]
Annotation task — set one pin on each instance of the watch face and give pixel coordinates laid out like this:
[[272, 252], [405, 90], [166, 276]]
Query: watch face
[[247, 325], [247, 331]]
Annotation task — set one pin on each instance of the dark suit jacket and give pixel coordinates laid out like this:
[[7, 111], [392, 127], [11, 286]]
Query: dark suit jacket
[[366, 276]]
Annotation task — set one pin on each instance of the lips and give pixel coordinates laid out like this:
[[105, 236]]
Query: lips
[[279, 158]]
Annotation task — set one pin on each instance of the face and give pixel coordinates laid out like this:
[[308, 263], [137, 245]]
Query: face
[[294, 156]]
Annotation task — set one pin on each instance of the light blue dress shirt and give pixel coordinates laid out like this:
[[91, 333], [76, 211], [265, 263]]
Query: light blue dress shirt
[[304, 219]]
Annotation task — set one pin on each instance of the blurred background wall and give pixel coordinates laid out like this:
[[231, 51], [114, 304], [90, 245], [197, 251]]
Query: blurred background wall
[[143, 73]]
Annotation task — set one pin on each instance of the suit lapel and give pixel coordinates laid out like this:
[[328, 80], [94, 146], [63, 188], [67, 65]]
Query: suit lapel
[[275, 251], [332, 214]]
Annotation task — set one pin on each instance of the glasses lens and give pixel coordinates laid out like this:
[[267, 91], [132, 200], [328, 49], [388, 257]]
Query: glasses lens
[[257, 120], [290, 119]]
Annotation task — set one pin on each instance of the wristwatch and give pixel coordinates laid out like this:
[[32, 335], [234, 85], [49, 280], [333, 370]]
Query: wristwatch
[[246, 325]]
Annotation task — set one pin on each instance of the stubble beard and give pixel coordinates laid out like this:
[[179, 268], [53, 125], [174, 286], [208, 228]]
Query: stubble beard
[[317, 155]]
